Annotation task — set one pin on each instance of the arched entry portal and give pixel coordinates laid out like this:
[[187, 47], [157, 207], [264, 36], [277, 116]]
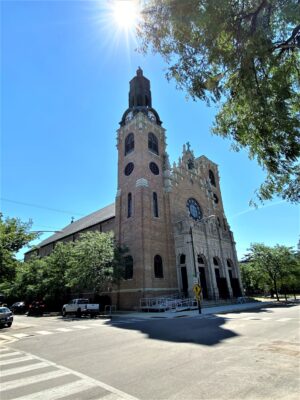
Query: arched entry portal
[[202, 268], [221, 282], [183, 272], [235, 285]]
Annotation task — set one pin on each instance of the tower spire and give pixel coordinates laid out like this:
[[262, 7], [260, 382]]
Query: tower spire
[[140, 93]]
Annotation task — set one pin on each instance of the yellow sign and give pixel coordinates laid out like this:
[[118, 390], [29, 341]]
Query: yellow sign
[[197, 290]]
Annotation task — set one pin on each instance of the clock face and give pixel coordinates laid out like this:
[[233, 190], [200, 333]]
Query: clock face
[[129, 116], [151, 116], [194, 209]]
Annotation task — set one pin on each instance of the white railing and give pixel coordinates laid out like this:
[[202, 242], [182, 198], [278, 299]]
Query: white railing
[[167, 303]]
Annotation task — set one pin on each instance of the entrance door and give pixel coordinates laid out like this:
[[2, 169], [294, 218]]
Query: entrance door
[[203, 282], [184, 280]]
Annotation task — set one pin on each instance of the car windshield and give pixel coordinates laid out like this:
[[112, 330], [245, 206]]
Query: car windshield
[[4, 310]]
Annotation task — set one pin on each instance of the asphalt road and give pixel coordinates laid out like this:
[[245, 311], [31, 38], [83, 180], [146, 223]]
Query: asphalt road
[[246, 355]]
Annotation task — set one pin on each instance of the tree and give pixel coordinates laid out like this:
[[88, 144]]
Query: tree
[[14, 234], [95, 262], [54, 276], [28, 283], [275, 266], [243, 54]]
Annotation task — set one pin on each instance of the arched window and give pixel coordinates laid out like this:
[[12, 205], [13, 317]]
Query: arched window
[[155, 204], [152, 143], [216, 262], [129, 143], [128, 270], [182, 259], [129, 205], [216, 199], [200, 260], [211, 177], [190, 164], [158, 267], [229, 263]]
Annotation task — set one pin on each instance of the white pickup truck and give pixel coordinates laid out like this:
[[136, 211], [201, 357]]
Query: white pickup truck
[[80, 307]]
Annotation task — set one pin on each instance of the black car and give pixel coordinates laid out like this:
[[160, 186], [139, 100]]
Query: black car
[[36, 308], [19, 307], [6, 317]]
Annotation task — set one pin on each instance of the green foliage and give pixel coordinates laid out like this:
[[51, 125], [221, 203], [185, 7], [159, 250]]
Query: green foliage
[[244, 55], [92, 263], [14, 234], [28, 284], [276, 268]]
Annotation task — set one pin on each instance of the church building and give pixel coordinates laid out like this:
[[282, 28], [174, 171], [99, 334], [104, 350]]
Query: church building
[[171, 218]]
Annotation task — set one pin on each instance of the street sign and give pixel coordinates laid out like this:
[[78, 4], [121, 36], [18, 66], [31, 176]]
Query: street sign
[[197, 290]]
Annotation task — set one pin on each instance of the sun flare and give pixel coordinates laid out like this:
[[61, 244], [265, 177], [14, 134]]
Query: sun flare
[[126, 13]]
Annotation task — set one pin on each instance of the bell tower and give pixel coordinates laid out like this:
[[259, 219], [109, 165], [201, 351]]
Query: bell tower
[[143, 217]]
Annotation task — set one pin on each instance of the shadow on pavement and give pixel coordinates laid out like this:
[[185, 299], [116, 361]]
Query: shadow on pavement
[[204, 331]]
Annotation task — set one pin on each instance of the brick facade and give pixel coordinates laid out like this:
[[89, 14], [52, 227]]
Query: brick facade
[[171, 219]]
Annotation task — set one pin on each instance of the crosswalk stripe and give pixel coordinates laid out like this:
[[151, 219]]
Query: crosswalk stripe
[[31, 379], [16, 360], [63, 329], [44, 332], [283, 319], [12, 353], [20, 335], [59, 391], [26, 368], [4, 349], [80, 327]]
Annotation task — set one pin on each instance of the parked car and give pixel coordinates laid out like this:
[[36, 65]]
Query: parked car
[[36, 308], [80, 307], [19, 307], [6, 317]]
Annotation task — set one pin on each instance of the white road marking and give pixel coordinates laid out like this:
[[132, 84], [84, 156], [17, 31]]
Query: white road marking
[[63, 329], [31, 379], [80, 327], [12, 353], [16, 360], [283, 319], [44, 332], [20, 370], [59, 391], [20, 335], [83, 379]]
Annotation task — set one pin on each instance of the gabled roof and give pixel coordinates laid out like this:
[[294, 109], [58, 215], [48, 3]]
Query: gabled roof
[[96, 217]]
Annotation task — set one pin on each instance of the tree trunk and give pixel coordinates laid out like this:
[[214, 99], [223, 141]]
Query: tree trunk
[[276, 290]]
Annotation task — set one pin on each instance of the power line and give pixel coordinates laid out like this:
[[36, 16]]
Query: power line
[[41, 207]]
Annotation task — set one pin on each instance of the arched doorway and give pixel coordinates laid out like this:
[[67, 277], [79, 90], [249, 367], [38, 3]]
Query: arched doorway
[[221, 281], [235, 285], [202, 268], [184, 277]]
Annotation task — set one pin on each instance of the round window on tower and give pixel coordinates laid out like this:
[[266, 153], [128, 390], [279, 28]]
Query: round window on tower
[[154, 168], [194, 209], [128, 169]]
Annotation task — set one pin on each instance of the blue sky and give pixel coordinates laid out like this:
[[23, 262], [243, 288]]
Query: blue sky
[[65, 68]]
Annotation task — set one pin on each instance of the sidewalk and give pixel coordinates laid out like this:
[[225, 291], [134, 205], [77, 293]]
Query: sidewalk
[[223, 309]]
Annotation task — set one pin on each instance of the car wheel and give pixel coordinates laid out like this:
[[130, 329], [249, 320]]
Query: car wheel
[[78, 313], [9, 324]]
